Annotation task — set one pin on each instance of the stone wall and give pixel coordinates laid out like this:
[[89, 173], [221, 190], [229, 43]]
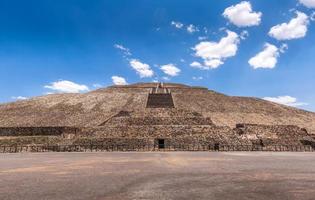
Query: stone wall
[[144, 121], [157, 116], [172, 131], [115, 143], [273, 134], [32, 140], [36, 131], [144, 144], [147, 135]]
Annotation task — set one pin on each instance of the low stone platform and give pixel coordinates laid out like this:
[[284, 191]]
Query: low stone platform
[[244, 137]]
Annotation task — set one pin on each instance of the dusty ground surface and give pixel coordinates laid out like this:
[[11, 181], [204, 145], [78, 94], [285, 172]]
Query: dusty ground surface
[[169, 175]]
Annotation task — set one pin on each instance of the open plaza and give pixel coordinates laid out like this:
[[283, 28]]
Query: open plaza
[[157, 175]]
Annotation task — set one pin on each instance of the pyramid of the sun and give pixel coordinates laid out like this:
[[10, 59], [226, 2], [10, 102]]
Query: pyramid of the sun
[[152, 113]]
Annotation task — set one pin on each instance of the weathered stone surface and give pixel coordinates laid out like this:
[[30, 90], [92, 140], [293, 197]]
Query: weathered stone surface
[[93, 108], [272, 135], [36, 131], [120, 115], [31, 140]]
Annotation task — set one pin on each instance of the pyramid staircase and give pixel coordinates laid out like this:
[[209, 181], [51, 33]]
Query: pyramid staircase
[[160, 97]]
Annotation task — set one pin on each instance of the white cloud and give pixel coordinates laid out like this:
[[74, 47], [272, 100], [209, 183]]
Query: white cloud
[[125, 50], [291, 10], [192, 28], [202, 37], [118, 80], [205, 30], [97, 85], [197, 78], [283, 48], [214, 53], [143, 69], [170, 69], [165, 78], [213, 63], [296, 28], [242, 15], [189, 28], [67, 87], [308, 3], [285, 100], [222, 29], [208, 64], [267, 58], [195, 64], [198, 65], [178, 25], [244, 34], [312, 17], [19, 98]]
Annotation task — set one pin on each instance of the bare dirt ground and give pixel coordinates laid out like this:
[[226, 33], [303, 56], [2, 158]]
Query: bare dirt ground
[[152, 175]]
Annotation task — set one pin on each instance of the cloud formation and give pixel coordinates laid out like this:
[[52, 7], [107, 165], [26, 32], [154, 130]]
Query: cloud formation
[[214, 53], [178, 25], [189, 28], [97, 85], [118, 80], [143, 69], [242, 15], [198, 65], [308, 3], [202, 37], [267, 58], [67, 87], [192, 28], [170, 69], [285, 100], [296, 28], [19, 98], [244, 34], [197, 78], [283, 48], [125, 50]]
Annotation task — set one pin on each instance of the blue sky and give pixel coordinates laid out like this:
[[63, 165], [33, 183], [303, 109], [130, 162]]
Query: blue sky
[[254, 48]]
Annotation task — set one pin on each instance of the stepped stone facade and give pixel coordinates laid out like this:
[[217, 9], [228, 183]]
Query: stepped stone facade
[[157, 120]]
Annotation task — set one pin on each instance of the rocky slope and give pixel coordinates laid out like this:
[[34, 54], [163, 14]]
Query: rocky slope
[[96, 107]]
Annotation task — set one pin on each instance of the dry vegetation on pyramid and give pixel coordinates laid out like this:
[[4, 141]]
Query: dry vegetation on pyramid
[[149, 113]]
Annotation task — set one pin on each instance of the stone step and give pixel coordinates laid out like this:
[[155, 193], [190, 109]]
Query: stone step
[[160, 101]]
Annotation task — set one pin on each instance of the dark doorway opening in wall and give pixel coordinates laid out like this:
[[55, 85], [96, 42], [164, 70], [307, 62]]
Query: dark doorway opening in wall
[[216, 146], [161, 143]]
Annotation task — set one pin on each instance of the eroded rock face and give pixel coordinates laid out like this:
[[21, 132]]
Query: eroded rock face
[[185, 115]]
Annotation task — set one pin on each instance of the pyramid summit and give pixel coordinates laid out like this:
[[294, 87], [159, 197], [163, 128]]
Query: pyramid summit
[[149, 113]]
